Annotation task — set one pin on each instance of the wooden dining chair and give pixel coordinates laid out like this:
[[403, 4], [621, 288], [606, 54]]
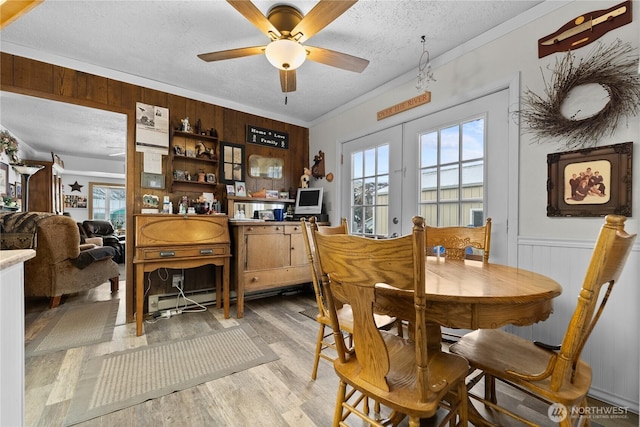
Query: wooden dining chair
[[457, 241], [556, 375], [399, 373], [324, 339]]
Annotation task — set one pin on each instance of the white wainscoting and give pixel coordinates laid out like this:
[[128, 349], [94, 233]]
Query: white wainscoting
[[613, 351]]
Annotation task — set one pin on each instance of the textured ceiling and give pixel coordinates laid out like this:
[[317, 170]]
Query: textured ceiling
[[159, 41]]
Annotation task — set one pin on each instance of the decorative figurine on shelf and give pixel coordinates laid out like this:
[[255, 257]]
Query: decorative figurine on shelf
[[186, 127], [304, 179], [203, 151], [317, 170], [202, 176]]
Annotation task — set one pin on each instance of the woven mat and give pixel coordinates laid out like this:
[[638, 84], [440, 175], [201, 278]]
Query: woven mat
[[119, 380], [76, 326]]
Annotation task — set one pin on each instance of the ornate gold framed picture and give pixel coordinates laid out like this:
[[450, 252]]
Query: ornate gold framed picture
[[590, 182]]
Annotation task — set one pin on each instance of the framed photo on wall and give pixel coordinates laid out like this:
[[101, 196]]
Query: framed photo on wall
[[590, 182], [4, 179], [241, 189]]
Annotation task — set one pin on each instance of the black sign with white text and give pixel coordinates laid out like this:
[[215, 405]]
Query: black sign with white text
[[271, 138]]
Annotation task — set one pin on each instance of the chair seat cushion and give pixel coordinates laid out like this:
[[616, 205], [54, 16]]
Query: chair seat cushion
[[496, 352]]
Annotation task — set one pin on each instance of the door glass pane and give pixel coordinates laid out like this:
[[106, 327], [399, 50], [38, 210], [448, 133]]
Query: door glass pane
[[357, 166], [473, 140], [370, 162], [370, 191], [429, 149], [383, 160], [450, 144], [449, 183], [449, 214], [452, 171]]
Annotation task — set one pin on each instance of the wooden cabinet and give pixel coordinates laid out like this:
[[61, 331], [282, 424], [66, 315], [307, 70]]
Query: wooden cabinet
[[181, 241], [45, 188], [192, 154], [267, 255]]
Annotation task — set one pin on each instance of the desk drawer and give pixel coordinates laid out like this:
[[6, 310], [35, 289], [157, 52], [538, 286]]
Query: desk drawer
[[264, 229], [259, 280], [182, 252], [293, 229]]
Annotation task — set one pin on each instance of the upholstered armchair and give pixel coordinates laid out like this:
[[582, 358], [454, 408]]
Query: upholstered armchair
[[59, 267], [104, 229]]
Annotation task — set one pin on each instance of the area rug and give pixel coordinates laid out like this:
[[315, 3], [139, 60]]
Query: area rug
[[119, 380], [76, 326]]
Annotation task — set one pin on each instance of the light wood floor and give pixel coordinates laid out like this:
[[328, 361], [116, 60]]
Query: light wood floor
[[280, 393]]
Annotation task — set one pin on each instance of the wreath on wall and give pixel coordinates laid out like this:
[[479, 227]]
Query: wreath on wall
[[612, 67]]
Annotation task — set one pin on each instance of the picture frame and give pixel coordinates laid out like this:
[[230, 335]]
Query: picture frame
[[231, 191], [18, 190], [266, 215], [590, 182], [272, 194], [211, 178], [4, 179], [240, 188]]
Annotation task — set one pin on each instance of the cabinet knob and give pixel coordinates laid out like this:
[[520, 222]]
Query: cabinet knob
[[250, 229], [254, 279]]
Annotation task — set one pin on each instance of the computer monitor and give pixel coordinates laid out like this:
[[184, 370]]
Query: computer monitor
[[309, 201]]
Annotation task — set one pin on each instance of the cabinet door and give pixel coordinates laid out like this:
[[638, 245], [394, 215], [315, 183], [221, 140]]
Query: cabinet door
[[298, 250], [264, 251]]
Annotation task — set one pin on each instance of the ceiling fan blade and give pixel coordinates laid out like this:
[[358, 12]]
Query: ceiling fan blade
[[336, 59], [322, 14], [253, 14], [288, 80], [232, 53]]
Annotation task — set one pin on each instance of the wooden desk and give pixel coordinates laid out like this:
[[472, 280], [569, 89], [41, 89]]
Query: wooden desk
[[181, 241], [474, 295]]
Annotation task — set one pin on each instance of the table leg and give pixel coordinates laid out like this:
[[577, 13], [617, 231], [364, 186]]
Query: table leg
[[139, 297], [225, 287]]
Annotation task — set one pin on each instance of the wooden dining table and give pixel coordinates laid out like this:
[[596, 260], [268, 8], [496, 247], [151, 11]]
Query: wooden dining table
[[469, 294]]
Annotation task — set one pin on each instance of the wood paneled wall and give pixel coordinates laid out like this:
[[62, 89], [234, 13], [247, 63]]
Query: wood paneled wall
[[40, 79]]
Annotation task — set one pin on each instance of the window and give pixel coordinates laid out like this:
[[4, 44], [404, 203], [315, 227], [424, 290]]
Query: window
[[108, 202], [370, 191], [452, 173]]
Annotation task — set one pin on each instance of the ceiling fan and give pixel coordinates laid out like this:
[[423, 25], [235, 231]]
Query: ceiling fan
[[288, 28]]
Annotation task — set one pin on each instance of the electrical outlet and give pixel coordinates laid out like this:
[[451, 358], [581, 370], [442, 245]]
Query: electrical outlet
[[177, 281]]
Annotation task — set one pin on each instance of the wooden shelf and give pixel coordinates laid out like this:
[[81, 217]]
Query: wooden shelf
[[259, 199], [195, 136], [193, 186], [199, 159]]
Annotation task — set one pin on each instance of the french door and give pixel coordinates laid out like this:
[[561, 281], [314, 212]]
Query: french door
[[452, 167]]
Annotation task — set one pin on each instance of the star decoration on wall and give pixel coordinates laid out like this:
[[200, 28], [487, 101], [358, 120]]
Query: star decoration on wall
[[75, 186]]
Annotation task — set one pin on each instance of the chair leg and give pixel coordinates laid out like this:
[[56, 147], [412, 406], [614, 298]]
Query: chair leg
[[114, 284], [490, 388], [55, 301], [337, 416], [316, 360]]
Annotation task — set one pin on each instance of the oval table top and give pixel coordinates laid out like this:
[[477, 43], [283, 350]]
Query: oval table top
[[475, 295]]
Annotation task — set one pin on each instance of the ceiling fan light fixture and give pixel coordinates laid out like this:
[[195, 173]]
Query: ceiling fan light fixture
[[286, 54]]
